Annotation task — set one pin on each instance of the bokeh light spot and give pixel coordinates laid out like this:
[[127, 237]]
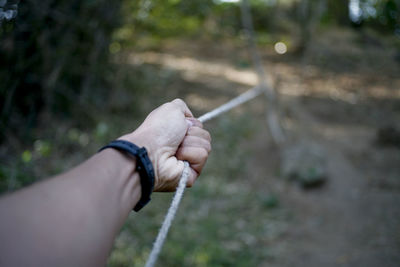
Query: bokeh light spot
[[26, 156], [280, 48]]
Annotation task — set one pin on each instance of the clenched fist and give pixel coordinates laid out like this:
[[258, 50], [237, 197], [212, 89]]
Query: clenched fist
[[172, 135]]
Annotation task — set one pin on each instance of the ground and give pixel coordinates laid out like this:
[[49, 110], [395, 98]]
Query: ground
[[242, 212]]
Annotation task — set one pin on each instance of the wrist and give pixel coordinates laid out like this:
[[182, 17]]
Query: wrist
[[142, 140], [122, 172], [144, 167]]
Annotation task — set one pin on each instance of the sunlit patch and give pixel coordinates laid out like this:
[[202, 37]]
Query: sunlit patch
[[8, 11], [355, 12], [226, 1], [196, 67], [280, 48], [201, 102]]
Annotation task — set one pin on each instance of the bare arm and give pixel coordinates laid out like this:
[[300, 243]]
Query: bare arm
[[72, 219]]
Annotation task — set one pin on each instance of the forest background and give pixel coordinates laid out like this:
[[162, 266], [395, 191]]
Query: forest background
[[76, 74]]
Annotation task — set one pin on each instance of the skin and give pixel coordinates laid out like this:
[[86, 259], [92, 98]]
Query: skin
[[73, 218]]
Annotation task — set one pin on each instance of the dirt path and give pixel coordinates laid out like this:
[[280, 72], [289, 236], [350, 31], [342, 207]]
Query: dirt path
[[345, 223], [354, 219]]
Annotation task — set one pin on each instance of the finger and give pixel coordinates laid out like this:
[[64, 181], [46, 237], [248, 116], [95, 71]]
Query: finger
[[195, 141], [199, 132], [192, 178], [196, 156], [195, 122], [183, 107], [172, 185], [172, 170]]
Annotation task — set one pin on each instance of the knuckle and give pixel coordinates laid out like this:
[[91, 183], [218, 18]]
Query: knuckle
[[200, 124], [208, 136], [208, 148], [178, 101], [203, 155], [168, 105], [193, 131]]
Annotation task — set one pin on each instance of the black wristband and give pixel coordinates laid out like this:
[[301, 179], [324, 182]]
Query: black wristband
[[143, 167]]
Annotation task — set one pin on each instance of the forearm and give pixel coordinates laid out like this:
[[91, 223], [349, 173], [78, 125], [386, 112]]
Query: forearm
[[71, 219]]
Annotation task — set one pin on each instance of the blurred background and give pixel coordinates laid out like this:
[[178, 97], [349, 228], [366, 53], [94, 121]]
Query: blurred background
[[77, 74]]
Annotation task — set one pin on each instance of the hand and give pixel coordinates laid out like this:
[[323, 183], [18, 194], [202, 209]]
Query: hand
[[172, 135]]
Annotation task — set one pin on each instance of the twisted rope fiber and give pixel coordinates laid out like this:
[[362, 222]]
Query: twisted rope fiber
[[162, 234]]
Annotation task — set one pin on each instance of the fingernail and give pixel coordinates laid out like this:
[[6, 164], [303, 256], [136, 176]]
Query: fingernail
[[190, 123]]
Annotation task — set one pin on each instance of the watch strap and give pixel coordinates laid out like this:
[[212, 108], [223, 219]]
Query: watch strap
[[143, 166]]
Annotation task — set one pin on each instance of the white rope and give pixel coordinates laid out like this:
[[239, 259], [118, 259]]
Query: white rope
[[162, 234], [246, 96]]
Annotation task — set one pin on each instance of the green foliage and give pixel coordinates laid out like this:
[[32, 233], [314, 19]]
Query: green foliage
[[55, 54], [387, 16], [18, 174], [161, 18], [55, 62], [54, 59], [337, 12]]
